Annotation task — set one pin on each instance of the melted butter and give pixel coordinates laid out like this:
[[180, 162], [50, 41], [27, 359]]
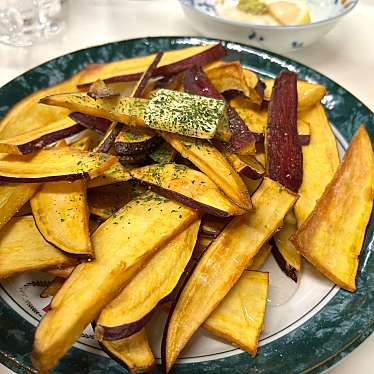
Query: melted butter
[[229, 10]]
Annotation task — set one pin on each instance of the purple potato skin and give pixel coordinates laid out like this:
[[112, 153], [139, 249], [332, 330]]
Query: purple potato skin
[[202, 58], [196, 82], [109, 139], [123, 331], [126, 330], [282, 147], [50, 138], [54, 178], [111, 354], [289, 270], [135, 148], [184, 199], [77, 256], [98, 124], [303, 139]]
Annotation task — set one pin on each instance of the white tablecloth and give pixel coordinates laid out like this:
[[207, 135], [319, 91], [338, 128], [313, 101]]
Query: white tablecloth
[[346, 55]]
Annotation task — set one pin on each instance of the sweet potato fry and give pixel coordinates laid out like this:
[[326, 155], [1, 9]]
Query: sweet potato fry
[[34, 140], [22, 249], [228, 76], [309, 94], [331, 237], [122, 109], [98, 124], [122, 244], [115, 174], [284, 160], [320, 161], [52, 165], [171, 63], [13, 196], [133, 142], [115, 128], [241, 139], [27, 115], [240, 316], [256, 118], [61, 215], [188, 186], [108, 139], [133, 353], [245, 165], [211, 162], [286, 249], [127, 313], [104, 201], [222, 265], [260, 257]]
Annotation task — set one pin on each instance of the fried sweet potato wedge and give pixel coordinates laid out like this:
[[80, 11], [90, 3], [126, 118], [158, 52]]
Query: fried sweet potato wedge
[[240, 139], [222, 265], [128, 312], [133, 353], [260, 257], [22, 249], [212, 226], [286, 249], [212, 163], [13, 196], [84, 143], [27, 115], [331, 238], [252, 184], [256, 118], [114, 174], [104, 201], [320, 161], [122, 245], [52, 165], [231, 76], [309, 94], [163, 154], [61, 215], [284, 159], [240, 316], [172, 111], [124, 109], [245, 165], [188, 186], [132, 142], [98, 124], [171, 62], [34, 140], [108, 139], [115, 128]]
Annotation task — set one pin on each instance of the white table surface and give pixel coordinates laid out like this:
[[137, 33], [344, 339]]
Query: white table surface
[[346, 55]]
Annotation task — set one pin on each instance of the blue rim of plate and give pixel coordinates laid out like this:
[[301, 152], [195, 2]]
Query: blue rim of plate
[[320, 342]]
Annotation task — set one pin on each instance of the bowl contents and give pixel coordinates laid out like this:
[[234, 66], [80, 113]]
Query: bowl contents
[[266, 12], [186, 172]]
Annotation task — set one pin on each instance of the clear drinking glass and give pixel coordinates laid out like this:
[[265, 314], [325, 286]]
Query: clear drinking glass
[[24, 22]]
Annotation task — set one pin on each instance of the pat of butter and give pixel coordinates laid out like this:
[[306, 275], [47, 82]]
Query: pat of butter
[[184, 114]]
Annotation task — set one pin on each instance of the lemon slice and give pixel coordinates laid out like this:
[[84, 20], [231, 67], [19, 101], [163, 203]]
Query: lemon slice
[[289, 12]]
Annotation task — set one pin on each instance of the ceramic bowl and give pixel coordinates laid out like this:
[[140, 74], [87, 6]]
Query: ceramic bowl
[[325, 15]]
